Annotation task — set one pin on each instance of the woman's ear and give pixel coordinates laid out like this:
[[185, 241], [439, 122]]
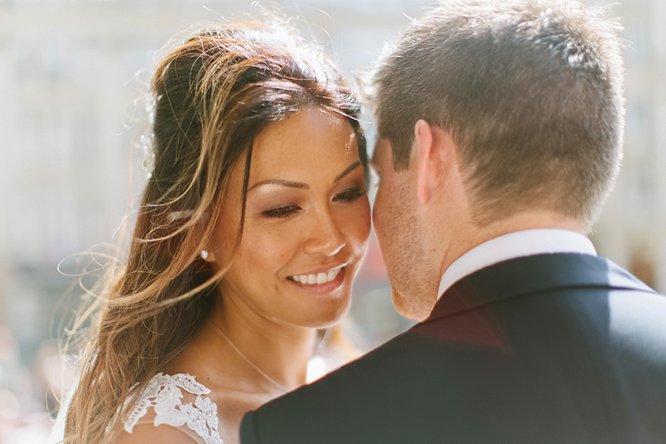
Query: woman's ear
[[432, 145]]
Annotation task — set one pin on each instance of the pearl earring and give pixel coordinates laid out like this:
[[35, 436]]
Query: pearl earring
[[204, 254]]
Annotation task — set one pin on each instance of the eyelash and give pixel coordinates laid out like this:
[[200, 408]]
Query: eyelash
[[350, 195], [281, 212], [289, 210]]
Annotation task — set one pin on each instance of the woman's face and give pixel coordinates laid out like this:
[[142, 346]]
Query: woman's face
[[307, 222]]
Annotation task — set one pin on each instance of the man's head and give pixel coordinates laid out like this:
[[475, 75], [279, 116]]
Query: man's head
[[530, 95]]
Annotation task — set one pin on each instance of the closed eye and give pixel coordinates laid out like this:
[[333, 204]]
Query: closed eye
[[281, 212], [350, 195]]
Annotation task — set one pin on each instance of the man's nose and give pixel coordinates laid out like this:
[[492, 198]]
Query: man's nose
[[326, 238]]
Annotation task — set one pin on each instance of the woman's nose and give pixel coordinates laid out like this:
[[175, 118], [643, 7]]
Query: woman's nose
[[326, 238]]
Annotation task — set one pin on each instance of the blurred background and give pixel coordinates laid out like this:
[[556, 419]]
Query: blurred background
[[71, 77]]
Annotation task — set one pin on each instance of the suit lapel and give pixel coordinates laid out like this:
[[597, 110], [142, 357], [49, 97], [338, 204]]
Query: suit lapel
[[533, 274]]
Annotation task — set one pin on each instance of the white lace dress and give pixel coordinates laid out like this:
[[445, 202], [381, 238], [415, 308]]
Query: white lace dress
[[164, 395]]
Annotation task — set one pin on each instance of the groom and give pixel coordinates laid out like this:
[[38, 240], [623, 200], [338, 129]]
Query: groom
[[500, 126]]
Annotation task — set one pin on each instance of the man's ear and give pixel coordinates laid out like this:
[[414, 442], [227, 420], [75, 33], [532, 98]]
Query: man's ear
[[432, 156]]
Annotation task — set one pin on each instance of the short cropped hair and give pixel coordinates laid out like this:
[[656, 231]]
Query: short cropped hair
[[531, 92]]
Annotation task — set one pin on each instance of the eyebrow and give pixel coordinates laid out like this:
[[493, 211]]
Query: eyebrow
[[348, 170], [300, 185]]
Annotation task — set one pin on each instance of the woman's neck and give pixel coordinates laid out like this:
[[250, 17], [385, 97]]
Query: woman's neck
[[252, 352]]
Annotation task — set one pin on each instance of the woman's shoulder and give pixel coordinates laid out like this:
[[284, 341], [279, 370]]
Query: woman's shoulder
[[178, 402]]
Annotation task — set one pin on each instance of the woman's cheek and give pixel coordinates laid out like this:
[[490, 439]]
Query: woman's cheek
[[358, 222], [277, 242]]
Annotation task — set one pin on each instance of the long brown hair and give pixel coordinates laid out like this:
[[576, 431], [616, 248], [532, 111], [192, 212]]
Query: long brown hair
[[213, 94]]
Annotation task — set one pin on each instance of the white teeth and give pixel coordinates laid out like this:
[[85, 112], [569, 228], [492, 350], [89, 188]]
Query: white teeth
[[319, 278]]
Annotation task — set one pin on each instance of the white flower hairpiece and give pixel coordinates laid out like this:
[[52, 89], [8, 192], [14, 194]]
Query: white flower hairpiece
[[146, 141]]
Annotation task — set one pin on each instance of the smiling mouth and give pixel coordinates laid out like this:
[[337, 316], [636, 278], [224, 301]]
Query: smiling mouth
[[317, 278], [320, 282]]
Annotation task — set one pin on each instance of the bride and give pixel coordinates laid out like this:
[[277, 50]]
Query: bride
[[251, 230]]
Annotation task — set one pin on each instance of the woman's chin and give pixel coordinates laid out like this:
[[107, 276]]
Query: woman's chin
[[329, 316]]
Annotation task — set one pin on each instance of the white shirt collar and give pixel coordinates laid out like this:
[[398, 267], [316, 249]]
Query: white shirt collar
[[513, 245]]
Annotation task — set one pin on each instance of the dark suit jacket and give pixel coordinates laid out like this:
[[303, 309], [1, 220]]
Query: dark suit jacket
[[558, 348]]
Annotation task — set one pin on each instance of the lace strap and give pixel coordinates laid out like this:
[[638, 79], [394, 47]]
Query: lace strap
[[164, 394]]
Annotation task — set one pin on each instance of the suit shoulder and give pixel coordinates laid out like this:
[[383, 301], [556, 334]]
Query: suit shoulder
[[637, 319], [354, 396]]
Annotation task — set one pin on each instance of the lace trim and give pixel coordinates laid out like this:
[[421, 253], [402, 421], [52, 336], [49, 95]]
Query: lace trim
[[163, 393]]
